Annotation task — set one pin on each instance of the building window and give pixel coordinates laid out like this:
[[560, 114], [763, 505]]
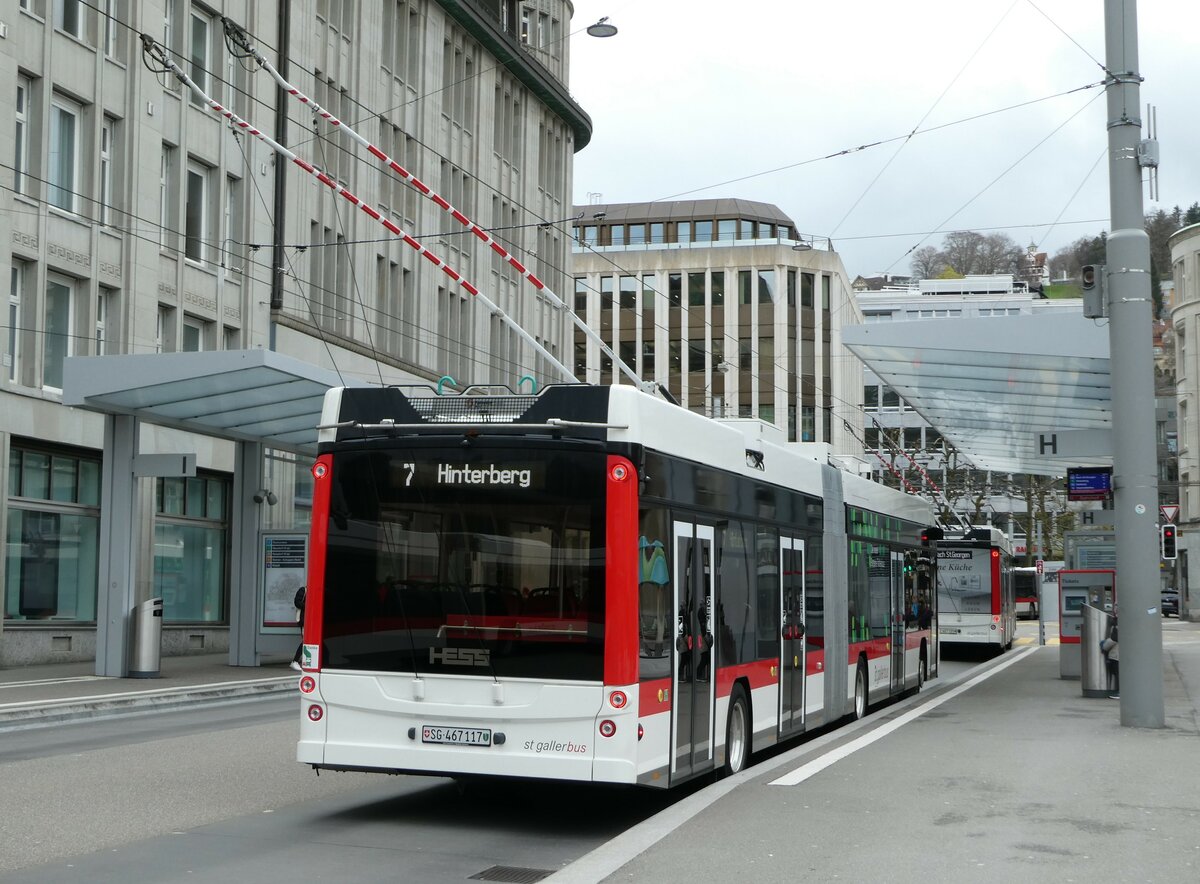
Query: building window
[[12, 355], [68, 17], [695, 289], [704, 231], [912, 438], [683, 231], [231, 251], [717, 288], [164, 330], [726, 229], [52, 554], [808, 423], [191, 537], [766, 287], [657, 232], [871, 438], [617, 234], [195, 335], [891, 399], [64, 154], [807, 284], [111, 10], [107, 135], [200, 54], [56, 332], [871, 397], [637, 234], [825, 285], [104, 300], [166, 175], [196, 213], [21, 155]]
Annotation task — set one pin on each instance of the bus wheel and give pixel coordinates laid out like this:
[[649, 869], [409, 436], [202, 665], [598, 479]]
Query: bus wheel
[[861, 698], [737, 732]]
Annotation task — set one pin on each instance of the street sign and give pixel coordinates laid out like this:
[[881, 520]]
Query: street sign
[[1073, 443], [1040, 567], [1169, 511]]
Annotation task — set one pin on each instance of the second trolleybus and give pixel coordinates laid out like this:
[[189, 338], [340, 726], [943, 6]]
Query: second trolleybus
[[592, 584], [976, 594]]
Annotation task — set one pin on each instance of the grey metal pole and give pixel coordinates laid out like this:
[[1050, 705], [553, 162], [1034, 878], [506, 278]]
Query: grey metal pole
[[1130, 312]]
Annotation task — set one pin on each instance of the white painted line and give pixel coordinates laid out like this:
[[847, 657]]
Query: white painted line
[[42, 682], [817, 765], [157, 692]]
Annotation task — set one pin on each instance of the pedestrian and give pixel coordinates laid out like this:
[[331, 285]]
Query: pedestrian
[[298, 601], [1112, 660]]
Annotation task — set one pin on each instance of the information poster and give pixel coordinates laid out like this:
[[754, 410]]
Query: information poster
[[285, 564]]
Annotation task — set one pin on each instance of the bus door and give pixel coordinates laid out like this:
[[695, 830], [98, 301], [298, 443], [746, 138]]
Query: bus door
[[791, 648], [897, 618], [692, 711]]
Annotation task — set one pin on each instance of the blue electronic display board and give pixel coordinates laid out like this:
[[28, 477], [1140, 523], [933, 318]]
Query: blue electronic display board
[[1089, 483]]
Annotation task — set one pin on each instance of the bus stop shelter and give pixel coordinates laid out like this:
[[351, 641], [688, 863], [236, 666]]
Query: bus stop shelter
[[1014, 394], [257, 399]]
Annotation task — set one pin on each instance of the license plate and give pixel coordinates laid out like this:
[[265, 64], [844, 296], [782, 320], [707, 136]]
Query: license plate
[[457, 736], [950, 630]]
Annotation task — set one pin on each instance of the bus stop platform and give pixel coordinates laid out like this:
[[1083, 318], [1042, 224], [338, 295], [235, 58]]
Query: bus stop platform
[[1006, 774], [31, 695]]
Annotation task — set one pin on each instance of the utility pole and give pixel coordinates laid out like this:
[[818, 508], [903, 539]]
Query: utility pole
[[1131, 367]]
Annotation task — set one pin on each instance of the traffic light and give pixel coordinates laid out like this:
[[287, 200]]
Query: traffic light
[[933, 532], [1091, 280], [1166, 537]]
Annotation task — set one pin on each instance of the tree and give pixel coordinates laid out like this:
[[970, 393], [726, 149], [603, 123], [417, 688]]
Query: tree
[[999, 253], [961, 249], [927, 262], [1192, 215]]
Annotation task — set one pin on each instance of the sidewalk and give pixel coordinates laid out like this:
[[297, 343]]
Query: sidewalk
[[1009, 774], [31, 695]]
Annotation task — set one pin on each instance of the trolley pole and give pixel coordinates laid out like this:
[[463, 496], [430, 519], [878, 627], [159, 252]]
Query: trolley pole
[[1131, 366]]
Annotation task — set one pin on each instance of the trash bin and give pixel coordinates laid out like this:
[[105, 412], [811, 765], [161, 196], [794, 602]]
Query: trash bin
[[1093, 671], [147, 639]]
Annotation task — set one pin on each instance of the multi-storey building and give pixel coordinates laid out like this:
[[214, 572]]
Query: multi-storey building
[[1185, 322], [726, 306], [135, 220]]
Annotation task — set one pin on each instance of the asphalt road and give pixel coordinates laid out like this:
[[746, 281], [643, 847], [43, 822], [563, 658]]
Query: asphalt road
[[213, 793]]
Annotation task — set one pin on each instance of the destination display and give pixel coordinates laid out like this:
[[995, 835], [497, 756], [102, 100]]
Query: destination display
[[476, 476]]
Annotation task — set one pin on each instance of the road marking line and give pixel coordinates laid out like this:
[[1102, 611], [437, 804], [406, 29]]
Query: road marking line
[[817, 765], [40, 682]]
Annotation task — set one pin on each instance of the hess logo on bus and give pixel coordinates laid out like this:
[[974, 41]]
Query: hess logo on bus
[[460, 656]]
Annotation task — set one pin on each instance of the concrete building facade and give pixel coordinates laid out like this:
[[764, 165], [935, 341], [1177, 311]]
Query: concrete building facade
[[1185, 325], [727, 306], [135, 220]]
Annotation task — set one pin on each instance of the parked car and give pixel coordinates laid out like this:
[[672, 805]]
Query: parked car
[[1170, 602]]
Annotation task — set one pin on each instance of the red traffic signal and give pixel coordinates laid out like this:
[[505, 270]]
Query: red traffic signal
[[1167, 542]]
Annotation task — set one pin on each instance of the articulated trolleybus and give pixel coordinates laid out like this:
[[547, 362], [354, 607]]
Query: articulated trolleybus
[[976, 595], [592, 584]]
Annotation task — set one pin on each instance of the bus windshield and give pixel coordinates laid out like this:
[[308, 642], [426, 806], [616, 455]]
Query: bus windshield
[[466, 562], [964, 577]]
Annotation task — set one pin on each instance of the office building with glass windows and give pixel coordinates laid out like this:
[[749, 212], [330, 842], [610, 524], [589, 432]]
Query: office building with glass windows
[[726, 306], [134, 220]]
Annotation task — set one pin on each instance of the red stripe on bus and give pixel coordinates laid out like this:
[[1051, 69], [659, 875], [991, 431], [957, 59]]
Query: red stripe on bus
[[654, 696], [314, 593], [621, 570], [814, 662], [759, 674]]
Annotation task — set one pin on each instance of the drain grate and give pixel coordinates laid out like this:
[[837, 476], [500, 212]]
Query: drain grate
[[512, 875]]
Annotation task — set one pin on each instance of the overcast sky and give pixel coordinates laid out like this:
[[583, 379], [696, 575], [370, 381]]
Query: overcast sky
[[689, 95]]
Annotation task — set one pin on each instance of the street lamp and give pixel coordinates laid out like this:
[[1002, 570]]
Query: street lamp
[[602, 28]]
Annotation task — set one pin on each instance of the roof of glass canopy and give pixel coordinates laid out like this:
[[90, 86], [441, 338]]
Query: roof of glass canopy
[[992, 385], [248, 395]]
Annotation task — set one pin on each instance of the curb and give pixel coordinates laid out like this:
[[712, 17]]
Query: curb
[[32, 713]]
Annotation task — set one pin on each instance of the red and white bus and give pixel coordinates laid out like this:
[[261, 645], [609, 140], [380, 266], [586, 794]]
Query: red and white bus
[[976, 597], [592, 584], [1027, 584]]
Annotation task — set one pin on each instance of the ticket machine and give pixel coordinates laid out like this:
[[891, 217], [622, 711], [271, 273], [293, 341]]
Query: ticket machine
[[1076, 589]]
